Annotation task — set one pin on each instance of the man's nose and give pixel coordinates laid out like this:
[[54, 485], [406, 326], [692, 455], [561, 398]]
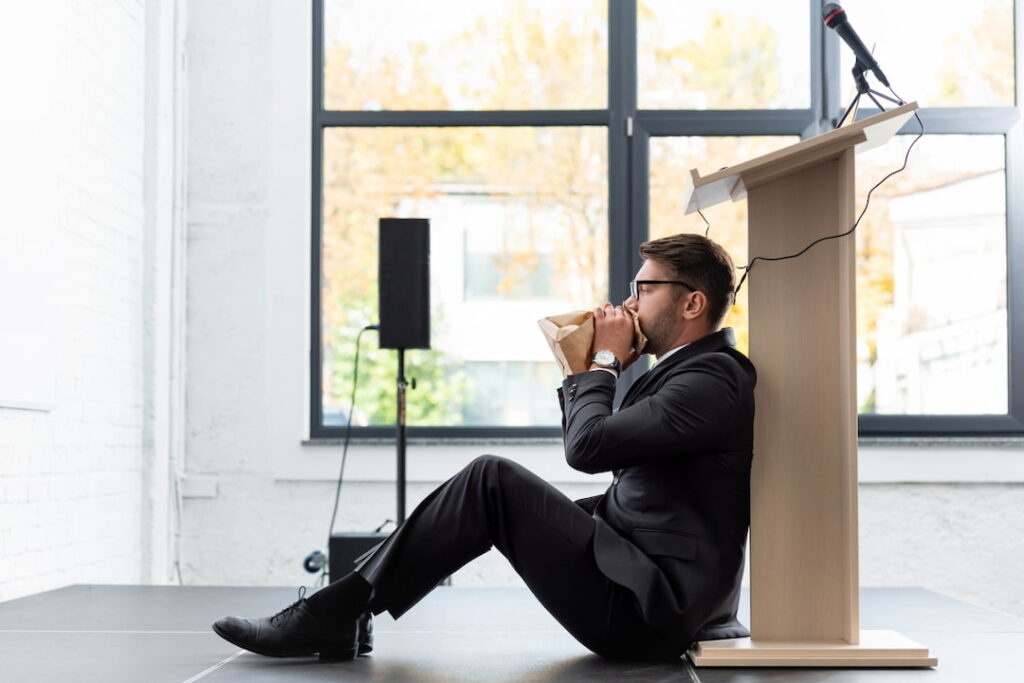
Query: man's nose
[[630, 303]]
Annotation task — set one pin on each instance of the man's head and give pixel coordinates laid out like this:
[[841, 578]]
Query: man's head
[[694, 304]]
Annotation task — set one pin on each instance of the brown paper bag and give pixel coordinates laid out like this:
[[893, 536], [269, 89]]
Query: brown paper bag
[[571, 335]]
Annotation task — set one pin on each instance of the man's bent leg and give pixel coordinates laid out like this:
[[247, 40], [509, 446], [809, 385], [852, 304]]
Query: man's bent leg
[[544, 534]]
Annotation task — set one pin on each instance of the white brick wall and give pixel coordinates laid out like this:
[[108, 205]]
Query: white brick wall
[[70, 479]]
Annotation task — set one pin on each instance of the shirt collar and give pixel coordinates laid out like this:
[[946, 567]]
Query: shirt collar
[[669, 353]]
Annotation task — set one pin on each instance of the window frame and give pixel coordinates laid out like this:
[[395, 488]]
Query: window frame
[[629, 131]]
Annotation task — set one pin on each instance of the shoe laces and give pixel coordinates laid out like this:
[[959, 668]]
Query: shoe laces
[[283, 614]]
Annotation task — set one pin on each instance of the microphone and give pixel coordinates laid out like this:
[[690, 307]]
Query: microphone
[[835, 18]]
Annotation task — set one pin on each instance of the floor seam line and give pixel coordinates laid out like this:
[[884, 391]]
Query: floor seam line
[[47, 630], [216, 666], [694, 678]]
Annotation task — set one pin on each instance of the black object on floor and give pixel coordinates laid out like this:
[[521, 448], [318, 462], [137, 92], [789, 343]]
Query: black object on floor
[[162, 633], [344, 548]]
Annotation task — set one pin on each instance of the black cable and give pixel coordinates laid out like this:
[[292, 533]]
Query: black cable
[[707, 225], [867, 202], [348, 428]]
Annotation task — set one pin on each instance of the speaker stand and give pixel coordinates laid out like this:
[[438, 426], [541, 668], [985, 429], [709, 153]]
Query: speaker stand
[[400, 437]]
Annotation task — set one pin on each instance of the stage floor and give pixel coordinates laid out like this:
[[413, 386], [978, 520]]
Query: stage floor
[[151, 634]]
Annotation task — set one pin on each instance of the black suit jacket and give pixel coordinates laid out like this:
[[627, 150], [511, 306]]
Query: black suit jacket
[[672, 526]]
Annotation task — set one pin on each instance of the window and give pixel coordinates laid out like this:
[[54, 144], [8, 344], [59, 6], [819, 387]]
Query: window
[[932, 325], [743, 54], [546, 139], [518, 231]]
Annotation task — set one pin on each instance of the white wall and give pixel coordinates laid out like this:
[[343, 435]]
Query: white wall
[[70, 480], [84, 84], [948, 517]]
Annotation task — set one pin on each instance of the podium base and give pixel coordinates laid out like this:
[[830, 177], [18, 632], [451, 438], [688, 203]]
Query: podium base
[[876, 648]]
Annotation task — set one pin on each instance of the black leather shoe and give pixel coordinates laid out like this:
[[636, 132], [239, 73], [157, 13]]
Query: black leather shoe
[[365, 623], [292, 632]]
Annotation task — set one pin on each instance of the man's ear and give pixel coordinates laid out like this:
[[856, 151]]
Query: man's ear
[[695, 306]]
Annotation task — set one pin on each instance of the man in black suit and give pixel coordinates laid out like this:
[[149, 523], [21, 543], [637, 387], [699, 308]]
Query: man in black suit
[[639, 572]]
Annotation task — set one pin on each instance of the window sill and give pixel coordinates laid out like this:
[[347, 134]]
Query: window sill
[[955, 441], [428, 460], [888, 460], [433, 441], [863, 442]]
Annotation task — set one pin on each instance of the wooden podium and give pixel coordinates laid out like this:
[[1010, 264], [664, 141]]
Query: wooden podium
[[804, 603]]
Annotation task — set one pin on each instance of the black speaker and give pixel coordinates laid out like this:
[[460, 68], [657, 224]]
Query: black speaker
[[404, 283], [344, 549]]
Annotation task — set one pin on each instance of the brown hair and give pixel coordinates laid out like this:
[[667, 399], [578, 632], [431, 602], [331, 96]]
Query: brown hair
[[701, 262]]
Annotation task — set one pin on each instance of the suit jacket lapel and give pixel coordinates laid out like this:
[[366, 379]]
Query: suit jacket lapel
[[715, 340]]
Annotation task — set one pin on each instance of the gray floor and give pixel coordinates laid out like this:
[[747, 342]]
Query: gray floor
[[161, 633]]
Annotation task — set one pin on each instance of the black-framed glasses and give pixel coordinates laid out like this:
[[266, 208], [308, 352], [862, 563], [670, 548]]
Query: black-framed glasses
[[634, 286]]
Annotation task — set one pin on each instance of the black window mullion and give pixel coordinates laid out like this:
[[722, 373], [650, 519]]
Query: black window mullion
[[622, 98], [316, 428], [1015, 267], [640, 186], [957, 120], [440, 119], [715, 122], [934, 425], [824, 72], [1015, 231], [828, 58], [625, 231], [423, 435]]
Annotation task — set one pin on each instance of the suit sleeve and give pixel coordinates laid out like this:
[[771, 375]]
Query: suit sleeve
[[693, 411]]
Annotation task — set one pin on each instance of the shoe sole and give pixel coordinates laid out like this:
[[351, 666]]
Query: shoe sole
[[325, 656]]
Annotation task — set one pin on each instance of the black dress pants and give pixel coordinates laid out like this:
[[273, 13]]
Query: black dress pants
[[545, 535]]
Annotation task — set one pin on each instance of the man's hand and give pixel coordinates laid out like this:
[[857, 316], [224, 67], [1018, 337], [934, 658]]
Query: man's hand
[[613, 330]]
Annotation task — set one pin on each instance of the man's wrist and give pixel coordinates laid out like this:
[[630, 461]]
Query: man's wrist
[[594, 366], [607, 359]]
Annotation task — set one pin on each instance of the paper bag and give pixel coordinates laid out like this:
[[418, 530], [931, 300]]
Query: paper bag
[[571, 335]]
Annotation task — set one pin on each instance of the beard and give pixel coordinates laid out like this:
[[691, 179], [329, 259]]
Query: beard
[[659, 333]]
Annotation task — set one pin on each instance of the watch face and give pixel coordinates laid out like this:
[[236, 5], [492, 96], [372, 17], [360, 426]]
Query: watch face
[[604, 357]]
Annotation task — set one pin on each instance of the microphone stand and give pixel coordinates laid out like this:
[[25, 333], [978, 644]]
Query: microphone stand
[[864, 89]]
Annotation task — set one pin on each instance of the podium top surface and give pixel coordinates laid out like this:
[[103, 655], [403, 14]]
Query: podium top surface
[[732, 183]]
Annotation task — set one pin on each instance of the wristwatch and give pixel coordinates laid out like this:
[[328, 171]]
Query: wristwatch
[[606, 359]]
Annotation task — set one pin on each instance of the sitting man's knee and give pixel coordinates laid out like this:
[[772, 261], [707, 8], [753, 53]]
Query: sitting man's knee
[[488, 460], [493, 466], [496, 468]]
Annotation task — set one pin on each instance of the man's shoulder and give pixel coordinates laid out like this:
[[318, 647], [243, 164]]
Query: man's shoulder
[[725, 358], [725, 366]]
